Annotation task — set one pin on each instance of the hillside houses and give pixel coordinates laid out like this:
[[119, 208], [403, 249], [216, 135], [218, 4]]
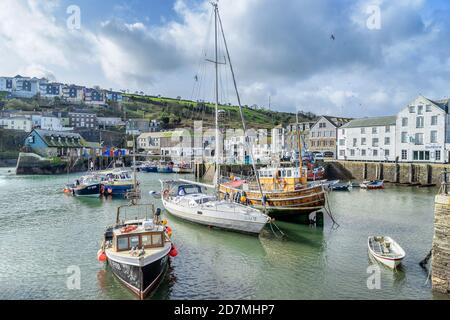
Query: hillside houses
[[26, 87]]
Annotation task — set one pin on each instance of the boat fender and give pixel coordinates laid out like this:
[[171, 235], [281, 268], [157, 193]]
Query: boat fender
[[169, 231], [173, 251], [101, 256], [164, 222]]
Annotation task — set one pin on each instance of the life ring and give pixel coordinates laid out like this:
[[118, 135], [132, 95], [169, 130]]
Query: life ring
[[128, 229]]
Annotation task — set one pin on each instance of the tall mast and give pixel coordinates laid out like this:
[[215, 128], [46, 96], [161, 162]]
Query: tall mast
[[216, 63], [299, 145], [244, 127]]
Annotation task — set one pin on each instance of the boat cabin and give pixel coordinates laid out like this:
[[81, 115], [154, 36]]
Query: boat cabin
[[139, 238], [286, 179], [187, 189]]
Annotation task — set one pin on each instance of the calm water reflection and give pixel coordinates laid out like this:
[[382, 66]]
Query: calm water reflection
[[43, 232]]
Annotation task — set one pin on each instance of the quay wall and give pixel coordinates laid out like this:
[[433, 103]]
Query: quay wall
[[403, 173], [33, 164], [440, 263]]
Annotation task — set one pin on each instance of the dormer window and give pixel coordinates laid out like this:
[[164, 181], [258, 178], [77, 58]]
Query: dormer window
[[412, 109]]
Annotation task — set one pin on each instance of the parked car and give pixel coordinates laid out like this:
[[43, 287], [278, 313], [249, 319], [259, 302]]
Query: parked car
[[318, 156], [328, 154]]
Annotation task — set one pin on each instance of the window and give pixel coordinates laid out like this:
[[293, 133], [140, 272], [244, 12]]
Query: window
[[434, 120], [404, 137], [387, 141], [122, 243], [412, 109], [419, 109], [355, 142], [419, 122], [375, 153], [418, 140], [375, 142], [341, 142], [312, 134], [404, 122], [352, 152], [342, 131], [342, 153], [386, 152], [428, 108], [437, 155], [374, 130], [404, 155], [433, 137], [363, 152], [363, 130], [331, 133], [387, 129], [421, 155], [363, 141], [134, 241]]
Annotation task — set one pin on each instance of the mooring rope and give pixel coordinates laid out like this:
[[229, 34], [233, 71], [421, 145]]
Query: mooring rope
[[271, 223]]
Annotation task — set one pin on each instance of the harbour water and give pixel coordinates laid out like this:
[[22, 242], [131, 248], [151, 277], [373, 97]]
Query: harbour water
[[45, 235]]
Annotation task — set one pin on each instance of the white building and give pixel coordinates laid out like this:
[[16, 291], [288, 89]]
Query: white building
[[6, 84], [51, 123], [50, 90], [24, 87], [423, 132], [73, 93], [110, 122], [16, 123], [367, 139], [278, 145]]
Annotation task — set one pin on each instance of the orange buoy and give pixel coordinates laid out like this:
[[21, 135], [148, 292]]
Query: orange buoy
[[173, 252], [101, 256], [169, 231]]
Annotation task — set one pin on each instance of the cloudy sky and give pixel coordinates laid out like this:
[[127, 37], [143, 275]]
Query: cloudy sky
[[325, 56]]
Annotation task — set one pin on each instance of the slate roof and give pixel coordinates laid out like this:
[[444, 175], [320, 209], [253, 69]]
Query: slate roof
[[371, 122], [337, 121], [68, 139]]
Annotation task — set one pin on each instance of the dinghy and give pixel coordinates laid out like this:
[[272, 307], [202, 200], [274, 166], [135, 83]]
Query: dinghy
[[370, 185], [385, 250]]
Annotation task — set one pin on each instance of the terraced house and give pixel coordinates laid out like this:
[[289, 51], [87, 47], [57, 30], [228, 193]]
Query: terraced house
[[423, 131], [368, 139], [323, 134]]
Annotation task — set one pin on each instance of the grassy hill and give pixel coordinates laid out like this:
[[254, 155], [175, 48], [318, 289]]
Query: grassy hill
[[174, 112]]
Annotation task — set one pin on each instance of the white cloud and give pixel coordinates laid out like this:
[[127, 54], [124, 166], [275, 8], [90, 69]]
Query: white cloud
[[285, 51]]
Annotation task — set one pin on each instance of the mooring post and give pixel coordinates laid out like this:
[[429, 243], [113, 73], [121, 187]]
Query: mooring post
[[440, 261]]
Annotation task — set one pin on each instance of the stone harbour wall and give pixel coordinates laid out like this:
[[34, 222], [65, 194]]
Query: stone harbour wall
[[440, 263], [404, 173]]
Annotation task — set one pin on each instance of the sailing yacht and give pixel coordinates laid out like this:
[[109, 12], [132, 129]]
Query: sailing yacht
[[189, 201]]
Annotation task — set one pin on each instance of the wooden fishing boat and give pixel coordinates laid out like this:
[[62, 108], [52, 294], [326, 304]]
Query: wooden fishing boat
[[385, 250], [87, 186], [371, 185], [286, 195]]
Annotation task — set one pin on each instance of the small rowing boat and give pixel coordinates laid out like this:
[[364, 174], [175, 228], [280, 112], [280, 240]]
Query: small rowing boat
[[385, 250], [371, 185]]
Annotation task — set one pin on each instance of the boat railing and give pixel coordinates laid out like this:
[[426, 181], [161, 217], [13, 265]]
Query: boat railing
[[135, 212]]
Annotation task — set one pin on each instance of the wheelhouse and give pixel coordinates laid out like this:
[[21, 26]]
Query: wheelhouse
[[282, 178]]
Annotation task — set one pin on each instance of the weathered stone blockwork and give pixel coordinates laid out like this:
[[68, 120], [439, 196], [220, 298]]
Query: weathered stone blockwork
[[394, 172], [440, 263]]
